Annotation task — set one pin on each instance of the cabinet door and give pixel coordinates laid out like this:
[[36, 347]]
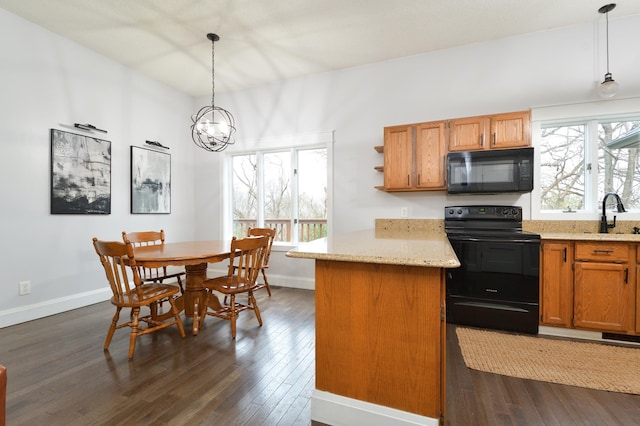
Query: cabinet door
[[431, 155], [556, 284], [468, 134], [398, 157], [604, 297], [511, 130]]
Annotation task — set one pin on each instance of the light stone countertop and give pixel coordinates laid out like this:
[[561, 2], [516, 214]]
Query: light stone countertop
[[587, 236], [395, 247], [581, 230]]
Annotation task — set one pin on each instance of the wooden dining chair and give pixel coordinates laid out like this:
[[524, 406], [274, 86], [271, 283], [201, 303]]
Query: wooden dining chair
[[119, 264], [271, 235], [244, 266], [154, 275], [3, 395]]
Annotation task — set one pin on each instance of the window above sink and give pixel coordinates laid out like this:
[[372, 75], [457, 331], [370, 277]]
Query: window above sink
[[582, 157]]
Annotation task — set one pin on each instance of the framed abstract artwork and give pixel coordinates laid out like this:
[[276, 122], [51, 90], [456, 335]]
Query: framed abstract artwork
[[150, 181], [80, 174]]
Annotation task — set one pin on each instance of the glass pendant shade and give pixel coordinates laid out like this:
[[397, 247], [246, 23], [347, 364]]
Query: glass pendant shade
[[608, 88]]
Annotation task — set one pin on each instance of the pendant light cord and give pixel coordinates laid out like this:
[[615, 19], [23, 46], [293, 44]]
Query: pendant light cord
[[213, 77], [607, 19]]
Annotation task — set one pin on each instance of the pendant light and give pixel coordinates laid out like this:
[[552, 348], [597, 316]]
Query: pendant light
[[608, 87], [213, 127]]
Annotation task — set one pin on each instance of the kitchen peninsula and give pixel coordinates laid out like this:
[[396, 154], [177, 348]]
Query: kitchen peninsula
[[380, 329]]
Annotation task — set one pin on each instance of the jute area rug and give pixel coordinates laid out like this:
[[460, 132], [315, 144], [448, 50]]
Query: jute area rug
[[588, 365]]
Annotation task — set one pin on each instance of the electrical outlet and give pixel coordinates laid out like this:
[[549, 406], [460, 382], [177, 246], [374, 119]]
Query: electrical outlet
[[25, 288], [404, 212]]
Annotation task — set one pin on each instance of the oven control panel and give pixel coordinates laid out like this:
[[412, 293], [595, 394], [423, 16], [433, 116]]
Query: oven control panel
[[483, 212]]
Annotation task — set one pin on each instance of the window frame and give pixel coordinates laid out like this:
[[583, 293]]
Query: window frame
[[294, 144], [590, 114]]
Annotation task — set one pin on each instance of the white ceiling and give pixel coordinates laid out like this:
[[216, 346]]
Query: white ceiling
[[262, 41]]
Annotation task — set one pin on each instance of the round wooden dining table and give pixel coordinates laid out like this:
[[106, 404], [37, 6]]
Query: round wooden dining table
[[194, 256]]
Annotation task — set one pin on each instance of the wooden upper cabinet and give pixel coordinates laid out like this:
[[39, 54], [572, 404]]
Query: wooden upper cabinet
[[414, 157], [509, 130], [431, 155], [468, 134], [398, 157]]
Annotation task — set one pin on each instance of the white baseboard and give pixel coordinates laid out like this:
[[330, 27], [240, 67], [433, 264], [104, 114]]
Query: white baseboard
[[338, 410], [46, 308], [579, 334], [274, 280]]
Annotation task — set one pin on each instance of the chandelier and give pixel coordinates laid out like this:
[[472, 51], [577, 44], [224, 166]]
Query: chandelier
[[212, 127]]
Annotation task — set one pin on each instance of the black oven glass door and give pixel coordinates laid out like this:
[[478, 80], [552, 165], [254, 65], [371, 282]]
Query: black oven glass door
[[496, 270], [496, 285]]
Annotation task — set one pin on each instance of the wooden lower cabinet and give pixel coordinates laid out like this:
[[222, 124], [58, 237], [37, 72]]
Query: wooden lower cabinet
[[589, 285], [604, 297], [604, 287], [556, 284], [380, 334]]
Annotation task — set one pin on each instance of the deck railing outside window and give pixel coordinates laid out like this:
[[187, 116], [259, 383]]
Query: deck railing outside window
[[308, 229]]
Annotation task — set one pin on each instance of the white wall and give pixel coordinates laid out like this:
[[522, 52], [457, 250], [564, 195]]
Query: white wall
[[49, 82]]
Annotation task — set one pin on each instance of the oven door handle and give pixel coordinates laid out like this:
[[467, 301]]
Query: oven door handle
[[496, 240]]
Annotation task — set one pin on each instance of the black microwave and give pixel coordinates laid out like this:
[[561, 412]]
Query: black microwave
[[490, 171]]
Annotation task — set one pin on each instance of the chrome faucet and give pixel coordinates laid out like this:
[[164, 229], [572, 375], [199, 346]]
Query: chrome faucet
[[604, 225]]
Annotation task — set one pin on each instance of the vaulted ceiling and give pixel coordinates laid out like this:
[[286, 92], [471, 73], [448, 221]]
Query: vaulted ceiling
[[263, 41]]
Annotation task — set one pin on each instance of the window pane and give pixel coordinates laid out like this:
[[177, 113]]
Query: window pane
[[244, 197], [312, 194], [562, 180], [277, 193], [618, 169]]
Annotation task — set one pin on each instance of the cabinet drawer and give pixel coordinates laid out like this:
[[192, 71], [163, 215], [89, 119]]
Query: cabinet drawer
[[602, 252]]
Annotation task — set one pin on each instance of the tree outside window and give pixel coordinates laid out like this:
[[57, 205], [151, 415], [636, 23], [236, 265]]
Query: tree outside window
[[284, 190], [568, 159], [618, 169]]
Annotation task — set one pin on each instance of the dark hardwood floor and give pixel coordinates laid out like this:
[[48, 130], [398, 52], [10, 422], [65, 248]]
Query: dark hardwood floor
[[59, 375]]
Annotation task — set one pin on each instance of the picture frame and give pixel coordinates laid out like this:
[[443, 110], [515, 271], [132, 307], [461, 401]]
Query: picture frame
[[150, 181], [80, 174]]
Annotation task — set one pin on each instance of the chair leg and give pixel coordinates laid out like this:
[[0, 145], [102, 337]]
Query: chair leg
[[266, 283], [154, 309], [112, 329], [233, 316], [205, 304], [176, 314], [134, 332], [256, 310]]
